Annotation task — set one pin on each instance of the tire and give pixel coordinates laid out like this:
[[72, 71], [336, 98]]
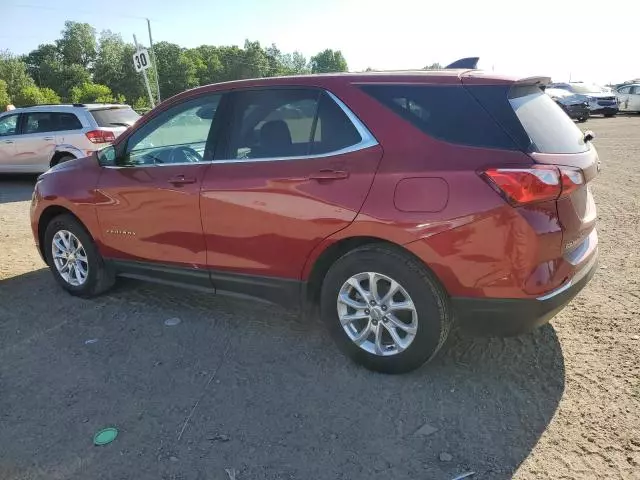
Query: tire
[[99, 278], [582, 119], [431, 317], [62, 159], [609, 115]]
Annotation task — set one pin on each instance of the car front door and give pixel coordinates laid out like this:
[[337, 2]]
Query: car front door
[[150, 210], [8, 134], [634, 98], [295, 168], [35, 146], [624, 97]]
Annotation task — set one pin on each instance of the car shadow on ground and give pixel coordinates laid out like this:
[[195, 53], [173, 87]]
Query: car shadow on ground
[[16, 188], [240, 387]]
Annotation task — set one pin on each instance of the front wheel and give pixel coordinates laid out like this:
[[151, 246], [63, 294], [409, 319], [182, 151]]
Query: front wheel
[[385, 309], [73, 258]]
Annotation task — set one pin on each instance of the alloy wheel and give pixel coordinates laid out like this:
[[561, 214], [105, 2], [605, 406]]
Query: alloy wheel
[[377, 313], [70, 258]]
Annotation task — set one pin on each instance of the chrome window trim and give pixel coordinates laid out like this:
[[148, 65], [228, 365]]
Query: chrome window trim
[[367, 140]]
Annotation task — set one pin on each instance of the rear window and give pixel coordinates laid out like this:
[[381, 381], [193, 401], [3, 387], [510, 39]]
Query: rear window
[[449, 113], [115, 116], [548, 127]]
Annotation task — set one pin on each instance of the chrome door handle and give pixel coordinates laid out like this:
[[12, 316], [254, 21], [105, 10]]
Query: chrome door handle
[[181, 180], [48, 138]]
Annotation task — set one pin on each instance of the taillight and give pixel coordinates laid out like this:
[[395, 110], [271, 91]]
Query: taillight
[[100, 136], [571, 179], [536, 183]]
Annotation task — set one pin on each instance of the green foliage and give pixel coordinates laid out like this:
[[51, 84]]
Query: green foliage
[[328, 61], [433, 66], [78, 44], [91, 93], [5, 99], [13, 72], [32, 95], [79, 67], [141, 104]]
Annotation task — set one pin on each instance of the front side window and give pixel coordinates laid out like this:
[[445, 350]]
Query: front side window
[[9, 125], [285, 123], [626, 89], [178, 135]]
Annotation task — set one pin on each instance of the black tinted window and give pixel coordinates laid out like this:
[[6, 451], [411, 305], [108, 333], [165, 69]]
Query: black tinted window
[[115, 116], [41, 122], [288, 123], [449, 113]]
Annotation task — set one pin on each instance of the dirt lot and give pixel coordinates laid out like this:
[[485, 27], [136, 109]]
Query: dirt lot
[[243, 391]]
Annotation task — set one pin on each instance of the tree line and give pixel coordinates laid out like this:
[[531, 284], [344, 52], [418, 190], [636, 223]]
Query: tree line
[[82, 67]]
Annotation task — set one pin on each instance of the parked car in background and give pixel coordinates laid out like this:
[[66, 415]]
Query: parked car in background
[[600, 102], [393, 202], [34, 139], [629, 97], [574, 104]]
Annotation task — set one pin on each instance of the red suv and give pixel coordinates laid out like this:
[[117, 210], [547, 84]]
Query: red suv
[[395, 202]]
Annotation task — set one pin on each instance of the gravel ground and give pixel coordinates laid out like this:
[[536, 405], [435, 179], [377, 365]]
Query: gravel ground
[[242, 390]]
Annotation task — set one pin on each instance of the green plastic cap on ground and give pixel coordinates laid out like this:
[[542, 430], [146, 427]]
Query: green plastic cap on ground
[[105, 436]]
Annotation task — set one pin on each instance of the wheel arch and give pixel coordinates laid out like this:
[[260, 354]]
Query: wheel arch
[[49, 214], [333, 252], [64, 150]]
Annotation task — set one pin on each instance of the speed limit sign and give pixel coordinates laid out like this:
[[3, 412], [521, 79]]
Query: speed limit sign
[[141, 60]]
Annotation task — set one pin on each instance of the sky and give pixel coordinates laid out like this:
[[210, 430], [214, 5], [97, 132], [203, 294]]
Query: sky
[[582, 40]]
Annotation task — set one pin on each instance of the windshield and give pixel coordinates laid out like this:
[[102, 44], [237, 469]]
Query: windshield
[[115, 116]]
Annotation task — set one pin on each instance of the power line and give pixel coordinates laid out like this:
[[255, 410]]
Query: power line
[[75, 10]]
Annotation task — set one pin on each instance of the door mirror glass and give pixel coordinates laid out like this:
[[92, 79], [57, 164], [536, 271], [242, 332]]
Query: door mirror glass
[[107, 156]]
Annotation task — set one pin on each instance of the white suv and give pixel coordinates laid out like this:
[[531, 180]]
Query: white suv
[[33, 139]]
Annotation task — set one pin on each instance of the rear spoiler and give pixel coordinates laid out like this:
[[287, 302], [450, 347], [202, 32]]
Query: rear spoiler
[[541, 82], [468, 62]]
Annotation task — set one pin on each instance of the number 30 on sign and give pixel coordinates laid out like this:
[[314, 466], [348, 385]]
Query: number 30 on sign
[[141, 60]]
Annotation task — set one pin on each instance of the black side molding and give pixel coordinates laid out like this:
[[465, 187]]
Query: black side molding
[[282, 291]]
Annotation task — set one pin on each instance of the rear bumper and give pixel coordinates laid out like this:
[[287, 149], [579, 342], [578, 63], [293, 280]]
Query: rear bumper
[[506, 316]]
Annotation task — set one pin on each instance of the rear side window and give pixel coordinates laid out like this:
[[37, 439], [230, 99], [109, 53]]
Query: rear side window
[[448, 113], [42, 122], [115, 116], [548, 127]]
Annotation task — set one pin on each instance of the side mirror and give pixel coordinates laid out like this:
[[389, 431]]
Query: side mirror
[[589, 135], [107, 156]]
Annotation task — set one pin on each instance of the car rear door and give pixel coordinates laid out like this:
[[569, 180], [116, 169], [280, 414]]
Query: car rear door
[[296, 167], [150, 210]]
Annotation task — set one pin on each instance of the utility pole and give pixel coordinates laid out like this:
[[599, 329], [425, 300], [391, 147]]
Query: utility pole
[[153, 57], [144, 74]]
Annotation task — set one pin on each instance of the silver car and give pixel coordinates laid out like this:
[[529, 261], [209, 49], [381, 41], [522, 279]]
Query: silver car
[[629, 97], [33, 139]]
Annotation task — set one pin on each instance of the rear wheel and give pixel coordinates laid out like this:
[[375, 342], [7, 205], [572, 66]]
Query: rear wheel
[[62, 159], [73, 258], [385, 309]]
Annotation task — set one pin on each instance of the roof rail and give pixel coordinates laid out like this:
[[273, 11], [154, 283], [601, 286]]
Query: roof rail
[[468, 62], [52, 105]]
